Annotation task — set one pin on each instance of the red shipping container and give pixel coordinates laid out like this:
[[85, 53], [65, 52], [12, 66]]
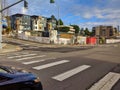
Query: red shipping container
[[91, 40]]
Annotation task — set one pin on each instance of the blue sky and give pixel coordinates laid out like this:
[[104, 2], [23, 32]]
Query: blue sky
[[85, 13]]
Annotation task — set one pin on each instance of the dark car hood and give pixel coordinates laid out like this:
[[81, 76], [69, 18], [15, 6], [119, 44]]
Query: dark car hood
[[17, 75]]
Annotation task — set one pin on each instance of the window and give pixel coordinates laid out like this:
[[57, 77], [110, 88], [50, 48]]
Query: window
[[103, 32], [35, 21], [111, 32]]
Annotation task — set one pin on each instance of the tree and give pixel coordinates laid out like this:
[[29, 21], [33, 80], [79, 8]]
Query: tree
[[8, 30], [77, 29], [60, 22], [87, 32], [92, 33], [53, 17]]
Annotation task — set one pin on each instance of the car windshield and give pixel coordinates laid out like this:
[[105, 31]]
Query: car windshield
[[3, 71], [6, 69]]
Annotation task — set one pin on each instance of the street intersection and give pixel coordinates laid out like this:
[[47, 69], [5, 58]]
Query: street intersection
[[73, 70]]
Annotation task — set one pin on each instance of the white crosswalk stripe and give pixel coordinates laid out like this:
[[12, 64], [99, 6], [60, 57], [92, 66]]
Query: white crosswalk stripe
[[36, 61], [70, 73], [30, 57], [107, 82], [18, 56], [50, 64], [31, 62]]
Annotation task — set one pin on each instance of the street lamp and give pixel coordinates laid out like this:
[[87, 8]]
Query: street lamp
[[58, 36], [52, 1]]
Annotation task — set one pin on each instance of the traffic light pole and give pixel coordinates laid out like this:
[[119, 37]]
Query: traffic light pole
[[10, 5], [0, 25], [25, 5]]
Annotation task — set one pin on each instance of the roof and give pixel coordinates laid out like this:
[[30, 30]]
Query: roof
[[18, 14]]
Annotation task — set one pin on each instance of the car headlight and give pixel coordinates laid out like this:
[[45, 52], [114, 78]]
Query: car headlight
[[37, 80]]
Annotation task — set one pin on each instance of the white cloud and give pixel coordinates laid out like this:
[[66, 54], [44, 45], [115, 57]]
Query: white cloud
[[92, 24], [87, 15], [101, 11]]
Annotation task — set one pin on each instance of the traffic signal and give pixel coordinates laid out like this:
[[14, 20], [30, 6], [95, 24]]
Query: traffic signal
[[25, 4], [52, 1]]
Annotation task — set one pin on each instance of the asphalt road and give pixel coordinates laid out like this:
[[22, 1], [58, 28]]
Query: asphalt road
[[79, 81], [74, 69]]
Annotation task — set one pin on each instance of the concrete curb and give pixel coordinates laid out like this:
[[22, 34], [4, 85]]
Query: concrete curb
[[9, 48]]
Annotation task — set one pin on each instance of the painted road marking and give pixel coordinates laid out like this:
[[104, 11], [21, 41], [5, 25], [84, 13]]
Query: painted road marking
[[18, 53], [22, 56], [32, 62], [29, 58], [70, 73], [107, 82], [50, 64]]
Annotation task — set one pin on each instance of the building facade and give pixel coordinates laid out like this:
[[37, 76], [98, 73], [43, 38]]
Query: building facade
[[20, 22], [38, 23], [104, 31], [51, 23]]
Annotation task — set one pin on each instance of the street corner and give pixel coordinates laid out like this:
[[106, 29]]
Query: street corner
[[6, 48], [4, 45], [18, 48]]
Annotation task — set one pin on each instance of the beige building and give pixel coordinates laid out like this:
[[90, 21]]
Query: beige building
[[38, 23], [105, 31]]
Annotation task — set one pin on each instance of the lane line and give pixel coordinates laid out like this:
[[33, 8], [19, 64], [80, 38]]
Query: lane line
[[22, 56], [29, 58], [107, 82], [32, 62], [50, 64], [70, 73]]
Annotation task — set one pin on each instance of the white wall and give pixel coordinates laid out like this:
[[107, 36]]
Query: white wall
[[63, 41], [44, 39], [81, 40], [34, 38], [112, 40]]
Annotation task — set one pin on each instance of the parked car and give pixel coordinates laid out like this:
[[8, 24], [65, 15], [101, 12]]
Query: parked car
[[18, 79]]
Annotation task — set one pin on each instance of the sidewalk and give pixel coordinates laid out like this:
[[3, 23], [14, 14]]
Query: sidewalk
[[9, 48]]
